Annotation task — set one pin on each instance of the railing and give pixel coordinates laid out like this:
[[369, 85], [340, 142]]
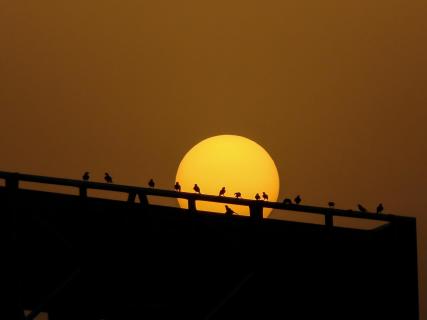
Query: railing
[[255, 206]]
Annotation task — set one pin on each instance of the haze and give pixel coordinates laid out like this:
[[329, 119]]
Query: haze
[[335, 91]]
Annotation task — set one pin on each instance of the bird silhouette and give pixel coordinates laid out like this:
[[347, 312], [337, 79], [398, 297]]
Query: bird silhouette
[[287, 201], [222, 191], [177, 186], [228, 211], [361, 208], [331, 204], [108, 178], [265, 196], [257, 196], [380, 208], [237, 194], [86, 176], [196, 188], [151, 183], [297, 199]]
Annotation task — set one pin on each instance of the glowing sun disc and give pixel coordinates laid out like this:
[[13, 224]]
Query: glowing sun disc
[[234, 162]]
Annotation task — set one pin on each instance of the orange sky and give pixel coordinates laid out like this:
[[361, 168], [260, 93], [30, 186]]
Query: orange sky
[[334, 90]]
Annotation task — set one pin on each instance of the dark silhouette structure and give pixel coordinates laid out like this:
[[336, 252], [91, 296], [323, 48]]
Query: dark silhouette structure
[[196, 188], [297, 199], [177, 187], [78, 257], [222, 191], [380, 208], [257, 196], [238, 195], [151, 183], [331, 204], [86, 176], [265, 196], [108, 178]]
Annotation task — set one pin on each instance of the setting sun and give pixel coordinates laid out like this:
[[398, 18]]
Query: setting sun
[[233, 162]]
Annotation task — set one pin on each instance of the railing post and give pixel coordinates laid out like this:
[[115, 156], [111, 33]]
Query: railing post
[[83, 191], [143, 199], [329, 220], [255, 210], [131, 197], [192, 205], [12, 182]]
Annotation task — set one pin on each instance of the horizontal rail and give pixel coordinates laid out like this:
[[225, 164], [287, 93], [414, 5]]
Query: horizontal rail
[[256, 206]]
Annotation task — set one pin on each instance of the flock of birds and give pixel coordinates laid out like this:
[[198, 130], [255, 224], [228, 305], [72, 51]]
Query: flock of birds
[[196, 188]]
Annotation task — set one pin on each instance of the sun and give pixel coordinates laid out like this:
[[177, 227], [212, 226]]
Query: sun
[[234, 162]]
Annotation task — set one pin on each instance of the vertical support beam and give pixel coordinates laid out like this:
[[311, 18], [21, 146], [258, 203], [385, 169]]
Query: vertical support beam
[[13, 308], [329, 220], [12, 182], [83, 191], [131, 197], [143, 199], [255, 210], [192, 205]]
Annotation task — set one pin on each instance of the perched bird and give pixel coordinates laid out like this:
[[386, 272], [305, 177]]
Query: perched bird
[[361, 208], [265, 196], [297, 199], [380, 208], [238, 194], [287, 201], [108, 178], [86, 176], [151, 183], [222, 191], [177, 186], [196, 188], [331, 204], [228, 211], [257, 196]]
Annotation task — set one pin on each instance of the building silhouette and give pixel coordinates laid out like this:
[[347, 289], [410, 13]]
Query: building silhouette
[[78, 257]]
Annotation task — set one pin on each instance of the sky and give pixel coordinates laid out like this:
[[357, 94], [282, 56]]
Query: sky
[[335, 91]]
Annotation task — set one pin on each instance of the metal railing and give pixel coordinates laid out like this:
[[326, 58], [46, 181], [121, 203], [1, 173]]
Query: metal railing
[[255, 206]]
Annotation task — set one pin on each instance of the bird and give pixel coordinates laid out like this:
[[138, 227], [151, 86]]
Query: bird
[[228, 211], [86, 176], [151, 183], [257, 196], [380, 208], [297, 199], [287, 201], [196, 188], [177, 186], [108, 178], [265, 196], [237, 194], [222, 191], [361, 208], [331, 204]]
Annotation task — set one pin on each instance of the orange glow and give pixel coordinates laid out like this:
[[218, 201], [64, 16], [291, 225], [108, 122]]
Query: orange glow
[[233, 162]]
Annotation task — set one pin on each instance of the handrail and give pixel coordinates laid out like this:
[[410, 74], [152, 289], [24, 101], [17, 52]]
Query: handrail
[[255, 206]]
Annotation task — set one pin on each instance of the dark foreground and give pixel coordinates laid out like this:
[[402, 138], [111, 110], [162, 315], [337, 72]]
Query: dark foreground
[[101, 259]]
